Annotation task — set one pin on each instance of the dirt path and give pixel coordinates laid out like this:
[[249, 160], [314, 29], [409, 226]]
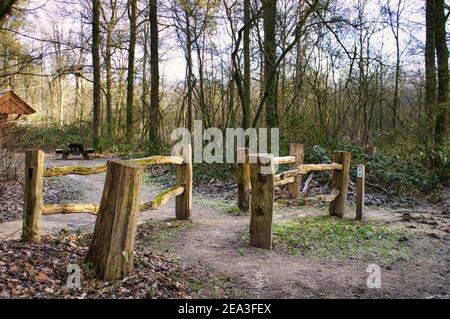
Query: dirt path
[[215, 241]]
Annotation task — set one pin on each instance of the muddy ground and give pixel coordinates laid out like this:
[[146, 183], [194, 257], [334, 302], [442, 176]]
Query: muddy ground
[[226, 266]]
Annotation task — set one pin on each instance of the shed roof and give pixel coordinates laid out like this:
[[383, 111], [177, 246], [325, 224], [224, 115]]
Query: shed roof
[[10, 103]]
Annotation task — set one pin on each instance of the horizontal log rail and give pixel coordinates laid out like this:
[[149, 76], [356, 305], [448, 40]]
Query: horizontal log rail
[[324, 198], [284, 160], [77, 170], [285, 181], [306, 168], [162, 198], [81, 170], [64, 209], [159, 160]]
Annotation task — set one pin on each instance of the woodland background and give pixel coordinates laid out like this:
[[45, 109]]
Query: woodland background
[[369, 76]]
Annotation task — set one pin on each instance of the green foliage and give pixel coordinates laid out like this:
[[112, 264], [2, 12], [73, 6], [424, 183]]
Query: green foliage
[[223, 206], [399, 175], [329, 237], [207, 172], [48, 138]]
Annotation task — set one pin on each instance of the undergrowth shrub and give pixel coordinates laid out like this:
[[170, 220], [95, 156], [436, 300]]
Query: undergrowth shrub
[[11, 163], [49, 137]]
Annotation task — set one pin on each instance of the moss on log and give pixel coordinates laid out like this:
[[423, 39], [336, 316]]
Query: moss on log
[[77, 170], [162, 198], [159, 160]]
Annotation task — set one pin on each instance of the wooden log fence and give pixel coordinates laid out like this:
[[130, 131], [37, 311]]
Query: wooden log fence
[[33, 197], [295, 159], [183, 176], [263, 185], [243, 179], [34, 207], [111, 252], [261, 209], [297, 151], [83, 170], [340, 181]]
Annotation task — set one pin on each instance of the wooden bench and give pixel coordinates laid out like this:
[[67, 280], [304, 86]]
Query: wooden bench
[[74, 149]]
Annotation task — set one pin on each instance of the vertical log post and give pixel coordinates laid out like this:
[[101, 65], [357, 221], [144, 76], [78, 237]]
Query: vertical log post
[[112, 249], [262, 193], [297, 151], [340, 181], [243, 179], [183, 202], [33, 201], [360, 180]]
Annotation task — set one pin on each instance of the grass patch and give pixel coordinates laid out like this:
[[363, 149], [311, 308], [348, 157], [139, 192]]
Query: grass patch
[[159, 180], [158, 232], [328, 237], [223, 206]]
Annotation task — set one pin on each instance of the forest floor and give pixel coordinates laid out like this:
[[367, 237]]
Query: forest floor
[[210, 256]]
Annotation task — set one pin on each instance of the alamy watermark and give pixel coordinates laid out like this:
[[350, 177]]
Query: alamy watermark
[[74, 278], [374, 279], [220, 148]]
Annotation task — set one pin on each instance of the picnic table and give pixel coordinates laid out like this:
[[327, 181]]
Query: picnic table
[[74, 149]]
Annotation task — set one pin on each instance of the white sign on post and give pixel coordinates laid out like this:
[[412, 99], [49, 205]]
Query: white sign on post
[[359, 172]]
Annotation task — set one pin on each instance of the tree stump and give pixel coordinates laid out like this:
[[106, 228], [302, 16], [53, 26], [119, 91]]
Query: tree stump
[[297, 151], [243, 179], [112, 249], [262, 203], [183, 202], [33, 201], [340, 181]]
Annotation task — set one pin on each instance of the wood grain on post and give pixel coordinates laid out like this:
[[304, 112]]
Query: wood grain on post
[[340, 181], [112, 249], [360, 180], [33, 201], [262, 192], [183, 202], [297, 151], [243, 179]]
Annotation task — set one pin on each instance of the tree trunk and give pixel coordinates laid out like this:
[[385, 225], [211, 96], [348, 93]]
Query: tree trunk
[[96, 69], [270, 56], [108, 66], [441, 129], [154, 129], [189, 123], [247, 92], [430, 65], [132, 12]]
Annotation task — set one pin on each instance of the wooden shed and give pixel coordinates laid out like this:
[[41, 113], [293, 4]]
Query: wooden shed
[[12, 107]]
